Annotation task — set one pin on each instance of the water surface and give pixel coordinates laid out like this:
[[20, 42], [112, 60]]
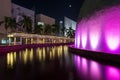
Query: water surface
[[53, 63]]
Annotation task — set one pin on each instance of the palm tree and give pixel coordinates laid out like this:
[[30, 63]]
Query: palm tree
[[27, 23], [7, 23], [70, 32], [55, 29], [10, 23], [38, 29], [13, 24], [48, 30]]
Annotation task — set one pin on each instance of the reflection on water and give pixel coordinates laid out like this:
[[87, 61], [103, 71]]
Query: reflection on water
[[41, 54], [54, 63], [92, 70], [11, 59]]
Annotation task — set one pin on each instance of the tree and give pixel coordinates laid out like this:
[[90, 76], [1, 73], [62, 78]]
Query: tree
[[7, 23], [26, 23], [55, 29], [38, 29], [63, 30], [70, 32], [13, 24], [48, 30], [10, 23]]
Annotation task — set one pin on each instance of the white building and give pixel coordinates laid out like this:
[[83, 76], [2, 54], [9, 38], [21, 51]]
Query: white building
[[5, 10], [69, 23], [44, 19], [17, 11]]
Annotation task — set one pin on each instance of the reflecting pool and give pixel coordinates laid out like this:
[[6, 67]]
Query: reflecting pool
[[53, 63]]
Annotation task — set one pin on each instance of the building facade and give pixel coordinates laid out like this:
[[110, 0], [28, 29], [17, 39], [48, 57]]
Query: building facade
[[18, 11], [5, 10], [46, 20]]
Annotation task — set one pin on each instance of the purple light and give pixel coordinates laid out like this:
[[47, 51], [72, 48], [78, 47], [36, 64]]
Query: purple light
[[77, 40], [83, 35], [95, 71], [112, 28], [94, 31], [84, 66], [100, 32], [91, 70], [112, 73]]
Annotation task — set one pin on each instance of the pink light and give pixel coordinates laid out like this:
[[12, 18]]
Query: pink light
[[83, 35], [112, 28], [95, 71], [100, 32], [112, 73], [78, 40], [95, 32], [84, 66], [77, 62]]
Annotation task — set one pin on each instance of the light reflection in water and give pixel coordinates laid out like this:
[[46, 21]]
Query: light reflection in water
[[94, 71], [31, 55], [41, 54], [44, 54], [84, 66], [25, 56], [11, 59], [112, 73]]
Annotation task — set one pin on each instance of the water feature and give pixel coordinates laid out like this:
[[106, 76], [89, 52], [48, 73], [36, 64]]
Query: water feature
[[100, 32], [53, 63]]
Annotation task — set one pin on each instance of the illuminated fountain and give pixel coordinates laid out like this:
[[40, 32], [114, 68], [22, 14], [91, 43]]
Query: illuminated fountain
[[99, 31]]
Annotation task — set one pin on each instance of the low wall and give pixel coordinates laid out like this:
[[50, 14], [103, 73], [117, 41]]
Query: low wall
[[6, 49], [105, 58]]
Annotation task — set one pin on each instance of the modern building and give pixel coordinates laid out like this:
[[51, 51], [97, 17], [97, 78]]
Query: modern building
[[69, 23], [18, 11], [44, 20], [5, 10]]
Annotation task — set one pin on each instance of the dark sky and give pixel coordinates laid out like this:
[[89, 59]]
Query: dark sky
[[54, 8]]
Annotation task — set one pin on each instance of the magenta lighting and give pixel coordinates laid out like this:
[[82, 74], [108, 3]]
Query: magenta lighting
[[100, 32], [91, 70]]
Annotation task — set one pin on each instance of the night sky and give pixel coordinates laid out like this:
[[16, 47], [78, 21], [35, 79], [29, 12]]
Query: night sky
[[54, 8]]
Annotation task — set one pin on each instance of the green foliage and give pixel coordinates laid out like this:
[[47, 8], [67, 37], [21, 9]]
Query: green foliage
[[63, 30], [38, 29], [48, 30], [70, 32], [55, 29], [27, 23], [9, 23]]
